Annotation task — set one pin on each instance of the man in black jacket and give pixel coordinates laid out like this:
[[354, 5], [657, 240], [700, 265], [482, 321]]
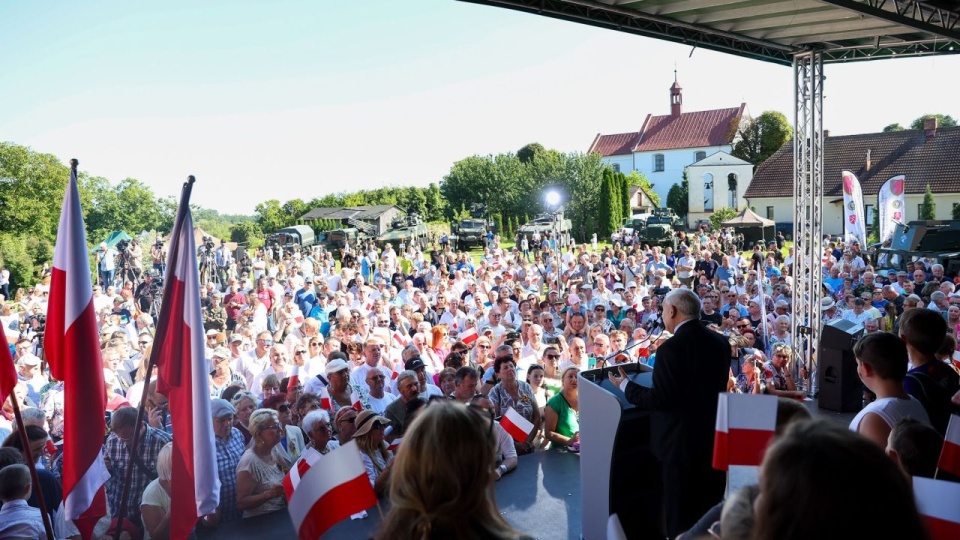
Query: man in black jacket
[[691, 370]]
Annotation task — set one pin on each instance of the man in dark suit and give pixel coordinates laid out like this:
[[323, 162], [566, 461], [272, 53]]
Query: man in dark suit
[[691, 370]]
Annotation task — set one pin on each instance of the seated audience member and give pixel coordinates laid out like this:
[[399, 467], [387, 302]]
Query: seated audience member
[[818, 476], [506, 452], [445, 494], [17, 519], [932, 382], [518, 395], [377, 460], [882, 364], [915, 447], [155, 505], [560, 420], [262, 467], [778, 379]]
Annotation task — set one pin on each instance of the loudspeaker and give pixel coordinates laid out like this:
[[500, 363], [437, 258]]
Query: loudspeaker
[[840, 387]]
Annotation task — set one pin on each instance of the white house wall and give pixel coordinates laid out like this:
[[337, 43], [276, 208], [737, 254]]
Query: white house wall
[[674, 161], [695, 181], [833, 212]]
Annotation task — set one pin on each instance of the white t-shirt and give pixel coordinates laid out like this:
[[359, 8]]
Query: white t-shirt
[[891, 410], [155, 495]]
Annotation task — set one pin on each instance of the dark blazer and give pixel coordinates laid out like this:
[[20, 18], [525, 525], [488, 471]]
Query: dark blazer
[[692, 368]]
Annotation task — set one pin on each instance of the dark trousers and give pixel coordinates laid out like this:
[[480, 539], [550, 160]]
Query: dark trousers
[[688, 492]]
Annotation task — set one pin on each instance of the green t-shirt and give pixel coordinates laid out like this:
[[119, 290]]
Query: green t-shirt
[[567, 421]]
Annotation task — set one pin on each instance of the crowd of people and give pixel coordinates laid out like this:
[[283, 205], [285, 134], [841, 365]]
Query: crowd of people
[[306, 349]]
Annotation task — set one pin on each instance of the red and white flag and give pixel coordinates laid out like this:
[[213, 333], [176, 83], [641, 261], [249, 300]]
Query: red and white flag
[[179, 354], [469, 336], [72, 343], [330, 490], [300, 468], [399, 339], [395, 444], [355, 399], [294, 378], [745, 425], [325, 402], [939, 503], [516, 425], [950, 455], [8, 372]]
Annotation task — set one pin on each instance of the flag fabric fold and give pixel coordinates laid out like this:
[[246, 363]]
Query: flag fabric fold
[[853, 212], [300, 468], [179, 355], [329, 490], [8, 372], [891, 204], [469, 336], [937, 502], [745, 425], [72, 344], [950, 455], [516, 425]]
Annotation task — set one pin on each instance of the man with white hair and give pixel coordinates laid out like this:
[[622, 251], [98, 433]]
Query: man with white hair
[[373, 349], [452, 317]]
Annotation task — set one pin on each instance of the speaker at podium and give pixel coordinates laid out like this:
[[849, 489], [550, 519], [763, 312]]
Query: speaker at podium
[[618, 474]]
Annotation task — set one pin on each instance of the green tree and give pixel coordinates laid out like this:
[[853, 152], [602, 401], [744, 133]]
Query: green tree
[[13, 255], [435, 203], [678, 198], [944, 120], [414, 200], [760, 137], [294, 209], [955, 213], [270, 216], [928, 209], [893, 127], [627, 209], [498, 222], [529, 152], [609, 204], [247, 233], [31, 191], [719, 216]]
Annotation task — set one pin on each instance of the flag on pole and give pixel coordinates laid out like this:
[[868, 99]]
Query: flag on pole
[[469, 336], [853, 223], [891, 206], [330, 490], [399, 339], [937, 502], [8, 373], [300, 468], [294, 379], [355, 399], [950, 455], [72, 343], [516, 425], [325, 399], [182, 377], [745, 425], [395, 445]]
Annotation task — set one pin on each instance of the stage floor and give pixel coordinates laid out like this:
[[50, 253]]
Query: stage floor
[[541, 498]]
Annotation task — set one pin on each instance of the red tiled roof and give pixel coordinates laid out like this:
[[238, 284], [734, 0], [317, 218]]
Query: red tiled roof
[[935, 161], [614, 145], [689, 130]]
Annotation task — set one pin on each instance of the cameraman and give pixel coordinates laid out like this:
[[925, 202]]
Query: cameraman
[[146, 292], [224, 259], [135, 257], [159, 256]]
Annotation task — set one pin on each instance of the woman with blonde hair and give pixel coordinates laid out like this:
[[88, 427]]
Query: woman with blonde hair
[[445, 494], [155, 503], [262, 467], [377, 460]]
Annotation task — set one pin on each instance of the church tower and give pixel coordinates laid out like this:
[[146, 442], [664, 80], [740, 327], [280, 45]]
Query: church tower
[[676, 96]]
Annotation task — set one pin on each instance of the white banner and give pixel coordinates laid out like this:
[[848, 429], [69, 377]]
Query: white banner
[[853, 224], [890, 203]]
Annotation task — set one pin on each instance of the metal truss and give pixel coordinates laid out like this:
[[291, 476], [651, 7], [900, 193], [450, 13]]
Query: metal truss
[[647, 25], [807, 207], [919, 15], [904, 49]]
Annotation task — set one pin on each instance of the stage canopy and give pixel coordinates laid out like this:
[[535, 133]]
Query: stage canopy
[[772, 30]]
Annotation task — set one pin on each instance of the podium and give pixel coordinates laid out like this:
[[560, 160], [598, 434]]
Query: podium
[[618, 474]]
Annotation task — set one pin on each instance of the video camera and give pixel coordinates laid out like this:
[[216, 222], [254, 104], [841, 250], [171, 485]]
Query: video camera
[[122, 245]]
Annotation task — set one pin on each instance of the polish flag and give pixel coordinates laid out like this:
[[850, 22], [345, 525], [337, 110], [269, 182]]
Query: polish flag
[[745, 425], [179, 356], [397, 370], [325, 399], [72, 343], [469, 336], [395, 444], [300, 468], [399, 339], [516, 425], [294, 379], [8, 373], [330, 490], [355, 398], [937, 503], [950, 455]]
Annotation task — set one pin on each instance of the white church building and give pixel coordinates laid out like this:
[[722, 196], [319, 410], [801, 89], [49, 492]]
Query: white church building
[[665, 145]]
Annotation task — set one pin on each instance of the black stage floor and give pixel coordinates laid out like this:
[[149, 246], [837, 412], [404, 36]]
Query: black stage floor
[[541, 498]]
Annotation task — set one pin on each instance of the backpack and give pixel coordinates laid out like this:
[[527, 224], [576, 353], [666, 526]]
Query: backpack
[[935, 398]]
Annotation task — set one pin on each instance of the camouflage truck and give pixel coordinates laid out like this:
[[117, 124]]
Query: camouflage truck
[[661, 229], [406, 230], [468, 233]]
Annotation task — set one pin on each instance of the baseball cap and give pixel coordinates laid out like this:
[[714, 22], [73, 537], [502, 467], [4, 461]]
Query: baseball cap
[[236, 338], [335, 366], [414, 364]]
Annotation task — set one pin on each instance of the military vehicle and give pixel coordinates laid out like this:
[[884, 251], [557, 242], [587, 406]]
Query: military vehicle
[[405, 230], [470, 232], [291, 237], [661, 228], [636, 222], [546, 223], [338, 238], [931, 241]]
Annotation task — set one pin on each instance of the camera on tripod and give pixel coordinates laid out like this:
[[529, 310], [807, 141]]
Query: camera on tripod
[[208, 243], [122, 245]]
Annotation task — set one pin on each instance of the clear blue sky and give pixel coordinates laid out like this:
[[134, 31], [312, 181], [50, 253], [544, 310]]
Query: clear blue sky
[[301, 98]]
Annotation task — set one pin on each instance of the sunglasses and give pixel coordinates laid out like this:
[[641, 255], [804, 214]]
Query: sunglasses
[[553, 356]]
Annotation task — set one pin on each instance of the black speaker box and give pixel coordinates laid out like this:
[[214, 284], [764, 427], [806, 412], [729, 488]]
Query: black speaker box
[[840, 387]]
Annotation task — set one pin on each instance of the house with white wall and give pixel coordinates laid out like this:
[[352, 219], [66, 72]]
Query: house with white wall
[[717, 181], [666, 144], [928, 156]]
